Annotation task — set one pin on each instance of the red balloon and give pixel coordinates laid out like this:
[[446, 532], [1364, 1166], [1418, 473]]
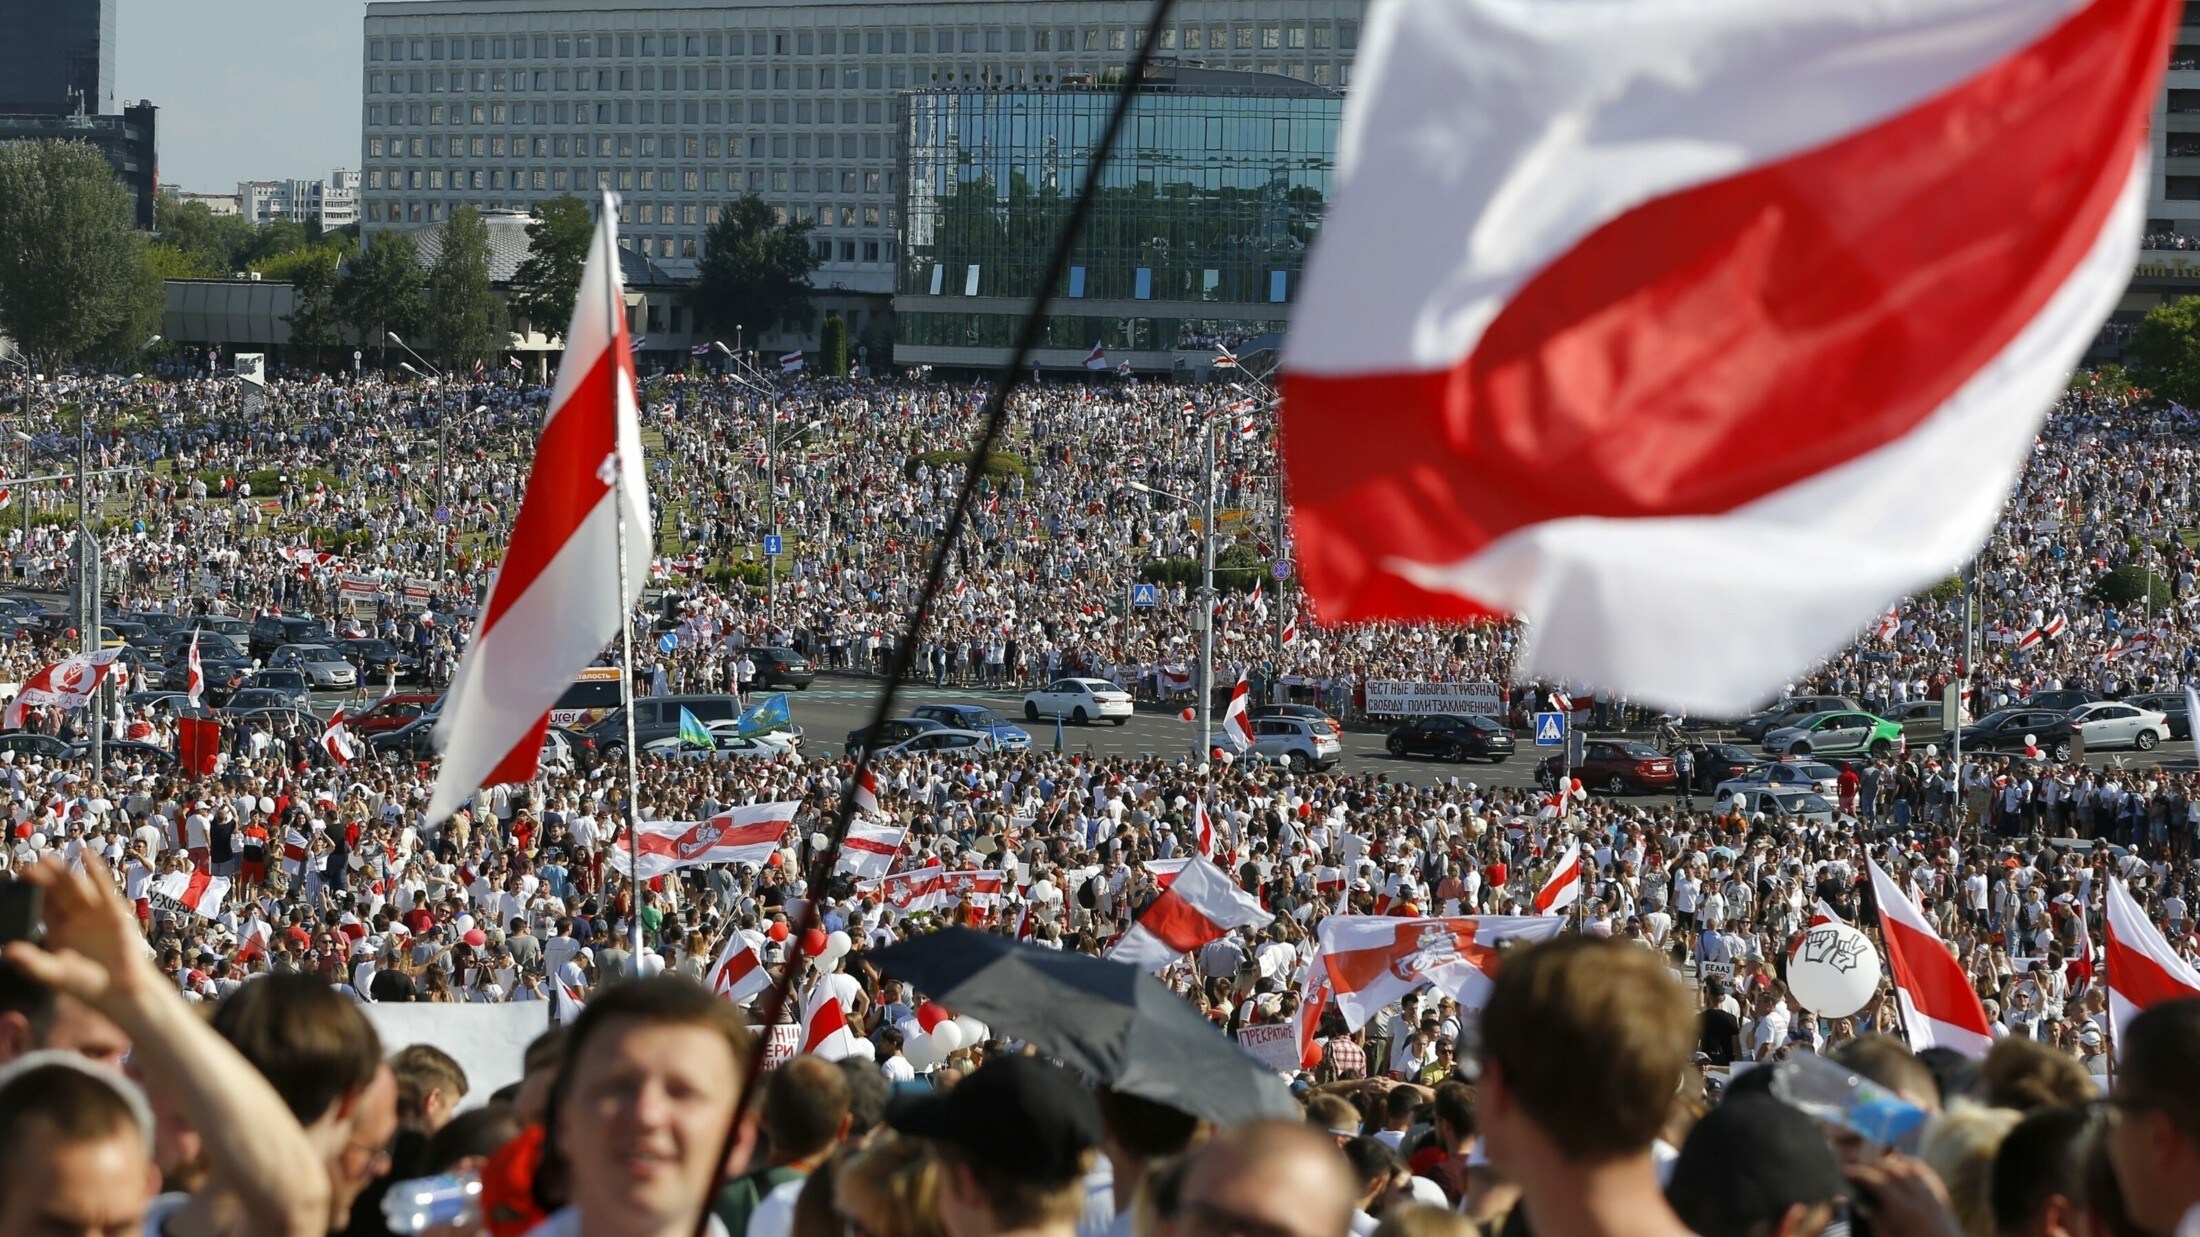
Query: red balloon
[[813, 942], [1313, 1057], [931, 1014], [778, 932]]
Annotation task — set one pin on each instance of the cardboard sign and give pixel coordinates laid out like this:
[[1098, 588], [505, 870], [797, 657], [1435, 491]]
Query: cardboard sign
[[1273, 1045]]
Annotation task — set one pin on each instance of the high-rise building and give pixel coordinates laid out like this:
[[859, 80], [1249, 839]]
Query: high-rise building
[[57, 57], [683, 105]]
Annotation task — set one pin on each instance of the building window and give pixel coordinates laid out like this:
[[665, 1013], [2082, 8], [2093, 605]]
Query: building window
[[970, 281], [1117, 40], [870, 251], [1142, 284]]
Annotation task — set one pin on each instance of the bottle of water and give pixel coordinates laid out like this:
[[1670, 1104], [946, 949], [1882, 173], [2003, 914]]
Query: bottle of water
[[423, 1203], [1836, 1096]]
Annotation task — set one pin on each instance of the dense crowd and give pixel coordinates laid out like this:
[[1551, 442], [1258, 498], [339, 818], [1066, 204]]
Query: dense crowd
[[296, 498]]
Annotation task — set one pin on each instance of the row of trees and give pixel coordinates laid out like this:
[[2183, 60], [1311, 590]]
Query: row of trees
[[79, 283]]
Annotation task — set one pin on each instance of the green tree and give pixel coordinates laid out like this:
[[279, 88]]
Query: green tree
[[832, 346], [272, 239], [73, 272], [755, 271], [557, 248], [463, 317], [312, 276], [169, 262], [381, 290], [2165, 350], [194, 228], [2131, 585]]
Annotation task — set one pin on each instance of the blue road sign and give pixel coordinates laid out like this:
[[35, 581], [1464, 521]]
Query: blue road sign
[[1144, 596], [772, 544], [442, 515], [1283, 569], [1550, 730], [668, 641]]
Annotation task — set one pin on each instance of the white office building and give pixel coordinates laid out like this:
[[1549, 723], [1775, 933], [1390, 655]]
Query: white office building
[[683, 105], [333, 203]]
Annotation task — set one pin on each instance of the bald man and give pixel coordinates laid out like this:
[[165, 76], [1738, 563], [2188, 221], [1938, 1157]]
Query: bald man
[[1281, 1177]]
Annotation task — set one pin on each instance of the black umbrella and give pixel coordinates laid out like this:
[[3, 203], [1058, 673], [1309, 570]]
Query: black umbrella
[[1110, 1020]]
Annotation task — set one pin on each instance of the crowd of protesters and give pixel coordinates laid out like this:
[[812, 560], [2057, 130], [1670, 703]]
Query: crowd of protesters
[[1579, 1096]]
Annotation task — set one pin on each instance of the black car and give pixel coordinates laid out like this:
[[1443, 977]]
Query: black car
[[373, 656], [2061, 700], [781, 667], [414, 740], [892, 731], [2003, 730], [2170, 705], [273, 631], [44, 746], [1304, 712], [127, 749], [659, 717], [1452, 736], [1717, 762], [221, 660]]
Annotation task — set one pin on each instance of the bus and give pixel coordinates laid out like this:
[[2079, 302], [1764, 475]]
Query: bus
[[592, 697]]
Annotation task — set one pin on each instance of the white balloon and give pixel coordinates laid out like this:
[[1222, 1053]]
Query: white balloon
[[973, 1031], [1043, 892], [837, 944], [1834, 970], [918, 1049], [947, 1039], [818, 842]]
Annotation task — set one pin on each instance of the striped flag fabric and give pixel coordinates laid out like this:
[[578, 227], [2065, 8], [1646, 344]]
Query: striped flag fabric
[[1563, 887], [1648, 240], [2143, 971], [336, 739], [825, 1029], [198, 891], [1939, 1007], [1237, 721], [555, 602], [870, 850], [1200, 906], [1165, 871], [1374, 960], [1097, 358], [1223, 359], [746, 834], [1203, 830], [1822, 913], [790, 362], [867, 792], [738, 974], [194, 675], [295, 845]]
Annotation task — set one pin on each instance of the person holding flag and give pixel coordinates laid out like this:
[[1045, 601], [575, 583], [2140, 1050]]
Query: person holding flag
[[693, 733]]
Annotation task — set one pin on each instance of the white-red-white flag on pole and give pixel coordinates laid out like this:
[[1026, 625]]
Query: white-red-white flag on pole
[[68, 684], [1637, 278], [747, 834], [1374, 960], [336, 739], [1314, 998], [738, 974], [1291, 632], [1237, 721], [565, 1003], [194, 675], [870, 850], [1200, 906], [867, 792], [825, 1029], [2143, 971], [1097, 358], [556, 602], [197, 891], [1939, 1007], [1563, 887], [1203, 830]]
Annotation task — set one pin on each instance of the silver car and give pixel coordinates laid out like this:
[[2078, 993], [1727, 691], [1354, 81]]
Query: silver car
[[323, 666]]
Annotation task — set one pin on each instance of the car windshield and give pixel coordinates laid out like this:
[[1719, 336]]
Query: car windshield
[[372, 646], [1803, 801], [316, 652], [1640, 751], [1478, 723]]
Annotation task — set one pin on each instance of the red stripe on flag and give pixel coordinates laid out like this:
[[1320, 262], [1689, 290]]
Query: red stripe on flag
[[1178, 923], [1856, 285], [2140, 979], [565, 485], [525, 759], [195, 888], [1924, 968]]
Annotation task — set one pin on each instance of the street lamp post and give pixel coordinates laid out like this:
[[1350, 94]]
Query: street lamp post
[[1205, 616], [443, 451]]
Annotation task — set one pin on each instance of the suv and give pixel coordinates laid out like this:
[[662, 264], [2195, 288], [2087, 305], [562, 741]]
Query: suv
[[659, 717], [780, 667], [1296, 742], [390, 712], [1790, 711], [272, 631]]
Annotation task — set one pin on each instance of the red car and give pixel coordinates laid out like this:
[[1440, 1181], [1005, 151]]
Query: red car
[[390, 712], [1615, 766]]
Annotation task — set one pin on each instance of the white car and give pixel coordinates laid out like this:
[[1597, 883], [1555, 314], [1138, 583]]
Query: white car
[[1292, 741], [730, 746], [322, 665], [1783, 803], [943, 740], [1080, 701], [1800, 774], [2111, 723], [557, 750]]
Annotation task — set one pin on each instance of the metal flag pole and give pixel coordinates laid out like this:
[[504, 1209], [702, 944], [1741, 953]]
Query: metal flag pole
[[616, 307]]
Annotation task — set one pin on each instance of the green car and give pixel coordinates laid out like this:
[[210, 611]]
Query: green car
[[1837, 732]]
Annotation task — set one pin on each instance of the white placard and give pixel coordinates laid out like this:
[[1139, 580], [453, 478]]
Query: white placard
[[1399, 698]]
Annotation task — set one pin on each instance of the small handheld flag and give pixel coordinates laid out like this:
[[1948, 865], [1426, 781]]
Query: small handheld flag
[[693, 733]]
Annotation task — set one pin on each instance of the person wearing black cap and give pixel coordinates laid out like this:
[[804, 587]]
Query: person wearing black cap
[[1014, 1141], [1755, 1167]]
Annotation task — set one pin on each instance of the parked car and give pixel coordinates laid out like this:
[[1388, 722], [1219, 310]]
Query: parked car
[[2112, 723], [1080, 701], [934, 742], [1614, 766], [1307, 711], [390, 712], [1921, 720], [254, 699], [291, 683], [1789, 711], [781, 667], [221, 660], [1838, 732], [270, 632], [415, 740], [1810, 774], [726, 745], [1784, 803], [26, 743], [136, 635], [127, 749], [2004, 730], [1717, 762], [221, 624], [2170, 705], [1006, 737], [2061, 700], [322, 664], [1296, 742], [174, 704], [891, 731], [372, 657], [657, 717], [1451, 736]]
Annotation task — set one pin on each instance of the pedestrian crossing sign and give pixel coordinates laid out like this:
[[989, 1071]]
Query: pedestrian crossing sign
[[1550, 730], [1144, 596]]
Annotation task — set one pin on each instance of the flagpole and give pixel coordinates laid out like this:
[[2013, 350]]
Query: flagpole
[[617, 309]]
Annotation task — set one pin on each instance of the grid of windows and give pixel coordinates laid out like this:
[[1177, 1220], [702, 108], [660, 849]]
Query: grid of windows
[[493, 105]]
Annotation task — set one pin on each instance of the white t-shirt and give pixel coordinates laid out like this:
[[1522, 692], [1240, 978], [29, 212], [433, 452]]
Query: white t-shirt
[[774, 1215]]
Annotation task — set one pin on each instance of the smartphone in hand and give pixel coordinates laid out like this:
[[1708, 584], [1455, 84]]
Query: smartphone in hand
[[21, 907]]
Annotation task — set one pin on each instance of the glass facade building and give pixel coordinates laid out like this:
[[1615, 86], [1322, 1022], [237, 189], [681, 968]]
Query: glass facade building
[[57, 57], [1196, 239]]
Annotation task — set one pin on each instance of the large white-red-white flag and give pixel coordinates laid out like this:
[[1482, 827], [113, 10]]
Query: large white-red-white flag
[[1648, 241], [825, 1029], [1237, 722], [743, 835], [194, 675], [1373, 960], [198, 891], [918, 890], [1200, 906], [2143, 971], [68, 683], [1563, 887], [336, 739], [556, 601], [738, 974], [867, 792], [1315, 994], [1939, 1007], [870, 850]]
